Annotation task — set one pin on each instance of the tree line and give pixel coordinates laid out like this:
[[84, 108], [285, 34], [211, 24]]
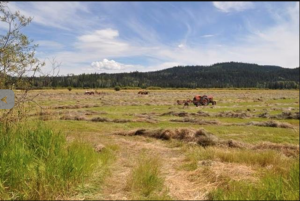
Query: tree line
[[220, 75]]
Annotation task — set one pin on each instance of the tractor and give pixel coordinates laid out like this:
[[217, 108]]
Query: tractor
[[203, 100]]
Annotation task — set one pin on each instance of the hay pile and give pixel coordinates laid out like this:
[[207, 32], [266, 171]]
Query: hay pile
[[264, 115], [270, 124], [201, 136], [234, 114], [101, 119], [205, 139], [198, 122], [203, 114], [286, 115], [73, 117], [179, 114], [286, 149]]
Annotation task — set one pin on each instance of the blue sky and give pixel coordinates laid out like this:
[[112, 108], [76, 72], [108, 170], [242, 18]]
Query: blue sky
[[88, 37]]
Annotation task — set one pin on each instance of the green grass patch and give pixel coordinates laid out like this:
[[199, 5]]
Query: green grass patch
[[37, 163], [93, 185]]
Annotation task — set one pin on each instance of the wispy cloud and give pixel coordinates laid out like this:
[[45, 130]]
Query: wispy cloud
[[233, 6], [63, 15], [170, 34], [208, 36]]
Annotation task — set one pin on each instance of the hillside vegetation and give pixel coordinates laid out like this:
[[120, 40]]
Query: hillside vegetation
[[220, 75]]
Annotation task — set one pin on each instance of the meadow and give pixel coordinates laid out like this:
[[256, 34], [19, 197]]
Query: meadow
[[133, 146]]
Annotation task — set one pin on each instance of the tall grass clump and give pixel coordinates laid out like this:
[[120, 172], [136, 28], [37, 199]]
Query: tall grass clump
[[37, 163], [145, 181], [273, 186]]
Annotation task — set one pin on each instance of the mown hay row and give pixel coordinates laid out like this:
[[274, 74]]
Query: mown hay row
[[205, 138]]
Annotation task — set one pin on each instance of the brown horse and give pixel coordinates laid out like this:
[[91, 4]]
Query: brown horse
[[89, 93], [143, 92]]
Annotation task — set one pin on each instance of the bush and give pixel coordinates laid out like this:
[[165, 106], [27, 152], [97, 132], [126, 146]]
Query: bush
[[37, 163], [117, 88], [69, 88]]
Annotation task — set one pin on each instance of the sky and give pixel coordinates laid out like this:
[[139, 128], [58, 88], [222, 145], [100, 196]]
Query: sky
[[112, 37]]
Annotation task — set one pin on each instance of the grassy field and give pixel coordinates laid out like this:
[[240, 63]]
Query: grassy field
[[154, 148]]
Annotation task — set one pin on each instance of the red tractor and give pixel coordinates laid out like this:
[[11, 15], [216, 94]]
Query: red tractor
[[203, 100]]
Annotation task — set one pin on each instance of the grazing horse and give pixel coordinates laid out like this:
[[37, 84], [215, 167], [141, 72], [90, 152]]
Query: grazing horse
[[186, 103], [89, 93], [143, 92]]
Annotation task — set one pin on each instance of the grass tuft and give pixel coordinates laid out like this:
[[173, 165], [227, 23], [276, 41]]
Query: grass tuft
[[145, 181]]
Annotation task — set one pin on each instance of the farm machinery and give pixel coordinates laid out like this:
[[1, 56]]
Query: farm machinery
[[203, 100]]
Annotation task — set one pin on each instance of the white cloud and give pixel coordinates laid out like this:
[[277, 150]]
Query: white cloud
[[112, 66], [277, 44], [106, 64], [233, 6], [102, 42]]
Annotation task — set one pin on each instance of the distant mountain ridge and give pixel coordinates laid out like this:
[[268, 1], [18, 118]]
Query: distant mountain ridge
[[219, 75]]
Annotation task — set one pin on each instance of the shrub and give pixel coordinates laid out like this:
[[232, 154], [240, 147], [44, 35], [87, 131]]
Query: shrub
[[69, 88], [117, 88]]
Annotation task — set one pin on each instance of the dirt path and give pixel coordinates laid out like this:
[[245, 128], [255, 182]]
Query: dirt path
[[175, 180]]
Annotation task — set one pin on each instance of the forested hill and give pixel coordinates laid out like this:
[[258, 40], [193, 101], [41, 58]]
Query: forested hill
[[220, 75]]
